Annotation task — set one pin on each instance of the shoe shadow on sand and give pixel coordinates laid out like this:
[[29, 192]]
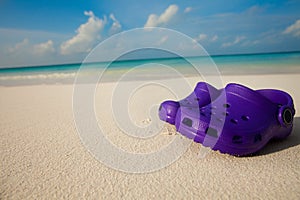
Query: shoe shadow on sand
[[291, 141]]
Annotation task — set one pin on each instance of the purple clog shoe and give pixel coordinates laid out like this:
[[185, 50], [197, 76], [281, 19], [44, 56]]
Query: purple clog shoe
[[235, 120]]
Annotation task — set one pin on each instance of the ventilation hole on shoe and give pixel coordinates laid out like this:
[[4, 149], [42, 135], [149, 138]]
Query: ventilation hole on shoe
[[196, 99], [257, 138], [237, 139], [212, 113], [245, 118], [187, 121], [211, 132], [160, 107], [226, 105], [225, 113], [234, 121], [214, 107]]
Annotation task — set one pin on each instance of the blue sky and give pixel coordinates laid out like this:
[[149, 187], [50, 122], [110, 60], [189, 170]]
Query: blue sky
[[60, 31]]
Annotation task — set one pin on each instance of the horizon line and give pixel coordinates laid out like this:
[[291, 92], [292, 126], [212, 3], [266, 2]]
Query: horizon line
[[141, 59]]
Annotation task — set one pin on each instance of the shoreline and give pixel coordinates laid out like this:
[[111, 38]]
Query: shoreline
[[69, 78]]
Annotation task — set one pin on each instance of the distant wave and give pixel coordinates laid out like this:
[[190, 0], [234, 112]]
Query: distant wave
[[17, 79], [38, 76]]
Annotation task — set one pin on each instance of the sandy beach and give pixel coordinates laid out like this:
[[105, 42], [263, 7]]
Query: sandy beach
[[42, 156]]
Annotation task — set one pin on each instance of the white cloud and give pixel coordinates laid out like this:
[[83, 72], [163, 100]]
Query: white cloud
[[293, 29], [116, 26], [254, 10], [201, 37], [26, 48], [187, 9], [164, 18], [86, 35], [163, 40], [250, 43], [214, 38], [21, 46], [43, 48], [237, 40]]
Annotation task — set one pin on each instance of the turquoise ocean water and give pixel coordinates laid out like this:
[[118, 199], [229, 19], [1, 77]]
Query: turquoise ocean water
[[267, 63]]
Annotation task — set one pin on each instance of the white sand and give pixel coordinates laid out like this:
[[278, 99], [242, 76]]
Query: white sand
[[42, 155]]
